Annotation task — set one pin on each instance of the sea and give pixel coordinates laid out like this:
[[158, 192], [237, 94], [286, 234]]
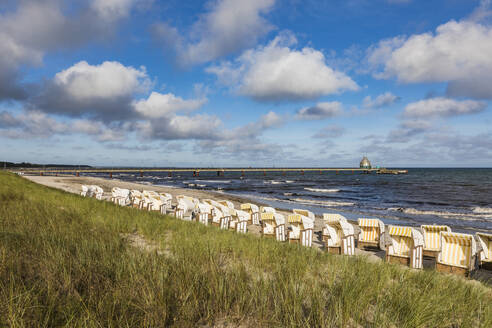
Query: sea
[[458, 197]]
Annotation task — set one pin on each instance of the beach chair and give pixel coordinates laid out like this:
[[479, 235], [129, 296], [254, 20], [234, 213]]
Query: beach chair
[[226, 203], [485, 255], [340, 234], [120, 196], [253, 211], [185, 209], [458, 253], [406, 246], [371, 233], [167, 202], [302, 229], [273, 225], [432, 239], [267, 209], [85, 190], [242, 221], [152, 200], [138, 200], [97, 192], [204, 213]]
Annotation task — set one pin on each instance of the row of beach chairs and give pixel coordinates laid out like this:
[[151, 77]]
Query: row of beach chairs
[[453, 252]]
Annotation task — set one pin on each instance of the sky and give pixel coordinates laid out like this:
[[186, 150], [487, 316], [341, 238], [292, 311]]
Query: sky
[[257, 83]]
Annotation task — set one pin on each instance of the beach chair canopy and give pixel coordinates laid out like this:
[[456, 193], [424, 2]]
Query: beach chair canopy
[[432, 237], [404, 239], [457, 249], [226, 203], [267, 209], [250, 208], [242, 215], [371, 229], [306, 213], [336, 222], [485, 241]]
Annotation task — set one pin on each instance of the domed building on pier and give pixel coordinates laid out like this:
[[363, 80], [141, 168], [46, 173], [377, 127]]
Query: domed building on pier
[[364, 163]]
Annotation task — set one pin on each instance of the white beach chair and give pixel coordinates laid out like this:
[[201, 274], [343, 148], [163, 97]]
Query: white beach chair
[[458, 253], [186, 208], [95, 191], [432, 238], [371, 233], [167, 202], [340, 234], [485, 255], [253, 211], [120, 196], [138, 200], [242, 223], [226, 203], [302, 229], [204, 213], [406, 246], [85, 190], [273, 225]]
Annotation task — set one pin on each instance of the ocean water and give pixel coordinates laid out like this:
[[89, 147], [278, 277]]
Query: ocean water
[[460, 198]]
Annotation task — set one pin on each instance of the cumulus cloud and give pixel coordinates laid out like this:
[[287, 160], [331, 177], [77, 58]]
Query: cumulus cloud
[[102, 91], [276, 72], [30, 124], [229, 26], [320, 111], [443, 107], [330, 131], [161, 105], [200, 126], [459, 52], [383, 100], [36, 27]]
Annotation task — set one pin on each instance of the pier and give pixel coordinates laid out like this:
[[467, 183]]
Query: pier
[[220, 171]]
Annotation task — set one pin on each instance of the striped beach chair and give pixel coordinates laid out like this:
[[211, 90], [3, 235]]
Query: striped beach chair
[[204, 213], [371, 233], [340, 234], [302, 229], [485, 255], [242, 221], [253, 211], [458, 253], [406, 246], [432, 239], [273, 225]]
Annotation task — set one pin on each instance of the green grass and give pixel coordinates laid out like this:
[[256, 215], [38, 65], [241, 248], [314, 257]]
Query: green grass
[[63, 262]]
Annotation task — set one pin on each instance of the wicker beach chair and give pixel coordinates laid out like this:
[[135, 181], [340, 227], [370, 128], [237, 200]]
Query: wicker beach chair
[[302, 229], [458, 253], [121, 196], [85, 190], [204, 213], [432, 239], [340, 234], [242, 221], [406, 246], [485, 255], [371, 233], [226, 203], [273, 225], [153, 200], [253, 211], [186, 208], [97, 192], [166, 202]]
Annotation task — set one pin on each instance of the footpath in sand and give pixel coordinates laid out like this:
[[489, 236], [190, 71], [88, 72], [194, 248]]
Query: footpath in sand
[[74, 185]]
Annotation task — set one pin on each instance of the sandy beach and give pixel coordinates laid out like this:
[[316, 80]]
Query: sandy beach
[[73, 185]]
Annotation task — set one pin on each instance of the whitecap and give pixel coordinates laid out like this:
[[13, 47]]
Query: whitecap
[[322, 190]]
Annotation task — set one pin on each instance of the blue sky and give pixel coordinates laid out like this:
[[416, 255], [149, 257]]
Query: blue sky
[[246, 83]]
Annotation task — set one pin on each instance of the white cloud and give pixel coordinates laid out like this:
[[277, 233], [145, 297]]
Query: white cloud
[[320, 111], [175, 127], [160, 105], [443, 107], [36, 27], [383, 100], [30, 124], [277, 72], [230, 26], [458, 52], [102, 91], [270, 119]]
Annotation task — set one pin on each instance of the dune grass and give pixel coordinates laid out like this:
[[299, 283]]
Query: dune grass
[[64, 262]]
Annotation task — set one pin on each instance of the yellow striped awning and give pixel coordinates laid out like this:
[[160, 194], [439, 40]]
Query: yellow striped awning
[[400, 231], [294, 218], [455, 238], [246, 206], [267, 216], [435, 228], [302, 212], [368, 223]]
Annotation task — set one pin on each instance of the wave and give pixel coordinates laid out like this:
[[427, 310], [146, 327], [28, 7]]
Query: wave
[[453, 215], [327, 203], [482, 210], [321, 190], [288, 193], [216, 181]]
